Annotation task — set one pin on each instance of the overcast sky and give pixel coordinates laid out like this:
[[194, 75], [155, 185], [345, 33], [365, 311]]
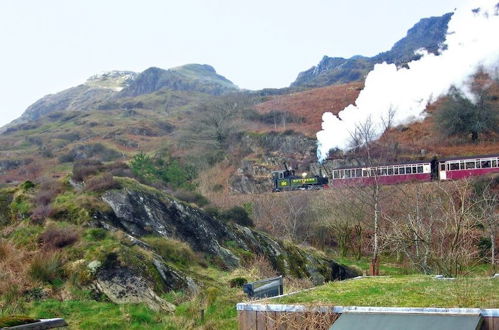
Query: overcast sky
[[51, 45]]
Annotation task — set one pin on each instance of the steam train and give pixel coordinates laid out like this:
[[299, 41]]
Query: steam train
[[444, 169]]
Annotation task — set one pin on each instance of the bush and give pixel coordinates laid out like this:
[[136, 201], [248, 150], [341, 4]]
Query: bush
[[101, 183], [41, 212], [239, 215], [57, 238], [46, 268], [84, 168], [213, 211], [237, 282], [165, 169], [173, 250], [49, 189], [26, 185], [96, 234], [192, 197]]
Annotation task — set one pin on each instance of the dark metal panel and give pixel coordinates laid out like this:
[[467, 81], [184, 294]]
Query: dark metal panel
[[391, 321]]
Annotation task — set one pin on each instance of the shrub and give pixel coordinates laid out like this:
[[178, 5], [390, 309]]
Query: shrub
[[173, 250], [26, 185], [101, 183], [96, 234], [57, 238], [192, 197], [239, 215], [213, 211], [4, 250], [84, 168], [49, 189], [20, 208], [237, 282], [41, 212], [46, 267], [163, 169]]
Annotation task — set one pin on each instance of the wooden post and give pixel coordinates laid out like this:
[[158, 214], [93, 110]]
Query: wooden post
[[374, 267]]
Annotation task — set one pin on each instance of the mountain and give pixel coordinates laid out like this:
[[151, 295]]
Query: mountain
[[103, 88], [428, 33], [191, 77]]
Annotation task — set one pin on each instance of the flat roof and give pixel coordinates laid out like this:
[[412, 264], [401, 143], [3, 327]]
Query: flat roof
[[388, 321]]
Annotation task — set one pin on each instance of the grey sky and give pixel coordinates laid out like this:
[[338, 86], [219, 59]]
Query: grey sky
[[50, 45]]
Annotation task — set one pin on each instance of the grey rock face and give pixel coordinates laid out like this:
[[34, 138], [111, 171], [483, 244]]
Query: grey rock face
[[140, 213], [123, 285]]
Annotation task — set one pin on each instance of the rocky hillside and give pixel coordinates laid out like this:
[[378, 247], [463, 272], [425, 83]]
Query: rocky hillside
[[428, 33], [99, 90], [132, 243]]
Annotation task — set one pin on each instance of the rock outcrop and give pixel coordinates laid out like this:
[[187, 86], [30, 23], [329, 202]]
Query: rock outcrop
[[144, 212], [122, 284]]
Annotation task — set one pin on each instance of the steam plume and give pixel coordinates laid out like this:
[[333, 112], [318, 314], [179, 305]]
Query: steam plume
[[471, 44]]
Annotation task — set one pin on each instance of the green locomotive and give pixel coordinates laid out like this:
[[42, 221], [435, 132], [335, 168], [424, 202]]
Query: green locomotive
[[287, 180]]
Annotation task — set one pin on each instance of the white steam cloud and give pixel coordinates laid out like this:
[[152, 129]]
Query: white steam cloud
[[472, 43]]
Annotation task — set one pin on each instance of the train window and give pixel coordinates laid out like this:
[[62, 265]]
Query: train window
[[494, 163], [347, 173], [383, 171], [402, 170], [470, 165], [390, 171], [461, 165], [408, 170], [358, 172], [442, 166], [365, 173], [396, 170], [454, 166], [372, 172], [420, 168], [485, 163], [335, 175]]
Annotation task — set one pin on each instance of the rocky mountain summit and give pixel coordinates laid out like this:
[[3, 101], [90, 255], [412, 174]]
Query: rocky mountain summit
[[428, 33], [190, 77], [101, 89]]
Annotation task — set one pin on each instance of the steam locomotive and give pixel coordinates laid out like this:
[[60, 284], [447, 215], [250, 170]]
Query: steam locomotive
[[435, 170]]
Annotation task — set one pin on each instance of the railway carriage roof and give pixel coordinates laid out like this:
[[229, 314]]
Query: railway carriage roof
[[467, 157]]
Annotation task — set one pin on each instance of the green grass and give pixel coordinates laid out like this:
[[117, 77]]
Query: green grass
[[386, 267], [89, 314], [403, 291]]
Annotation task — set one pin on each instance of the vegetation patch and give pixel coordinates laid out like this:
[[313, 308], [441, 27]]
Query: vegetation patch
[[403, 291]]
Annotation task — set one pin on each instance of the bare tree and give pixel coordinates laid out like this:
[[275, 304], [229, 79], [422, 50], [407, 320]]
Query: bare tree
[[487, 211], [341, 216], [362, 139]]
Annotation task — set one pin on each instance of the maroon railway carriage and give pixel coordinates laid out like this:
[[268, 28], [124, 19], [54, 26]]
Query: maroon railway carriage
[[383, 174], [460, 168], [448, 169]]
